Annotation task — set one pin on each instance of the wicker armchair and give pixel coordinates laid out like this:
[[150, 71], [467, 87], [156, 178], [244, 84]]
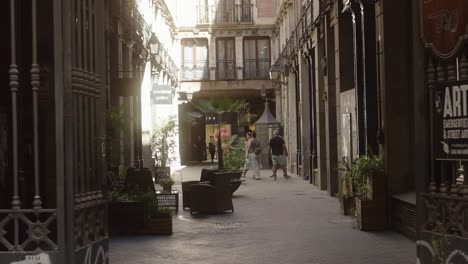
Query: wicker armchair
[[186, 193], [139, 181], [213, 197]]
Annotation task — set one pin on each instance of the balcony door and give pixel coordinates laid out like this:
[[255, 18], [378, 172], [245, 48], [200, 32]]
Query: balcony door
[[256, 58], [225, 11], [194, 59], [225, 59]]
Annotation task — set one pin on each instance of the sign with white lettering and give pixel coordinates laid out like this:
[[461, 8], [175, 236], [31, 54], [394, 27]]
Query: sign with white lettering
[[161, 94], [41, 258], [450, 121]]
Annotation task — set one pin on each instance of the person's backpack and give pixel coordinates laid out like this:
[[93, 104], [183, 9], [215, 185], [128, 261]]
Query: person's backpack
[[258, 148]]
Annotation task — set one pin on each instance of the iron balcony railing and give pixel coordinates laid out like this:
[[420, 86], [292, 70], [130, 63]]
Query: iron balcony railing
[[237, 13], [226, 70], [256, 68], [307, 23], [195, 70]]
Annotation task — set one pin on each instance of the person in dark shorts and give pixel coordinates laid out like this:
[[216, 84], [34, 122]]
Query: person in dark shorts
[[278, 154]]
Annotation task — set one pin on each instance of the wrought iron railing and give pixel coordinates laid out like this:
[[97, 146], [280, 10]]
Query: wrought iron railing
[[237, 13], [226, 70], [256, 68], [195, 70], [446, 201], [307, 23]]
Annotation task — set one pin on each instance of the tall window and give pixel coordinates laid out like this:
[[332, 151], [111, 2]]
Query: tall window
[[194, 59], [225, 59], [230, 11], [225, 11], [202, 12], [256, 58]]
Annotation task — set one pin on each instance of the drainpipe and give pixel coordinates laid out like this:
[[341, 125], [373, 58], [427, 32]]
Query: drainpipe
[[312, 155], [298, 119], [355, 9]]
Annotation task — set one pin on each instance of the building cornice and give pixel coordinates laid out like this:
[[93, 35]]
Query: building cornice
[[211, 28]]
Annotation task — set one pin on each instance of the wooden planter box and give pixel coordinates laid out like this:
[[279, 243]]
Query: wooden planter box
[[376, 187], [348, 205], [371, 214], [125, 218], [158, 226]]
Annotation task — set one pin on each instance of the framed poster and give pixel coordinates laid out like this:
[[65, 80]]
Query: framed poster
[[450, 121]]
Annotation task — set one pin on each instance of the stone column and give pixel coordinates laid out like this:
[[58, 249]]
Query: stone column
[[239, 58], [212, 57]]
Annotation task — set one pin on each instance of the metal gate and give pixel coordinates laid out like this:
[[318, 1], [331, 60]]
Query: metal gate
[[54, 126]]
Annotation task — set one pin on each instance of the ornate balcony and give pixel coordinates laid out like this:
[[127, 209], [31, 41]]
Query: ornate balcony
[[256, 68], [238, 13], [226, 70], [195, 70]]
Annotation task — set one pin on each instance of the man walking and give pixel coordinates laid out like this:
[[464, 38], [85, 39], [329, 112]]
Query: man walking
[[278, 154]]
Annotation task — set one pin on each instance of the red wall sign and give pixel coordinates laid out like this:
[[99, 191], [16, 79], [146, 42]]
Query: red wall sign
[[444, 25]]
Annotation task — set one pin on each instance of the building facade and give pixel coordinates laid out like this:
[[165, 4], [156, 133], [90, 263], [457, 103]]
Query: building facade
[[362, 77], [77, 75], [225, 51]]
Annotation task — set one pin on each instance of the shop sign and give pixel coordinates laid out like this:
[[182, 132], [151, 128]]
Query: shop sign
[[450, 121], [444, 25], [161, 94]]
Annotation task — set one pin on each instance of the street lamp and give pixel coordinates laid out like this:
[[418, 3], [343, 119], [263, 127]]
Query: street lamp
[[153, 44], [189, 96]]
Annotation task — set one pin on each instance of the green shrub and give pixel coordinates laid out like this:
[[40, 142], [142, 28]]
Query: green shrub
[[363, 167]]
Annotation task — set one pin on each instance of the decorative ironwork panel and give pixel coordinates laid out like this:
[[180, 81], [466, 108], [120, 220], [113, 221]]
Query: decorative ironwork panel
[[90, 225], [256, 69], [28, 230], [446, 214], [195, 71]]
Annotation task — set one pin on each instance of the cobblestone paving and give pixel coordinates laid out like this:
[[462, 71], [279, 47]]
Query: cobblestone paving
[[283, 222]]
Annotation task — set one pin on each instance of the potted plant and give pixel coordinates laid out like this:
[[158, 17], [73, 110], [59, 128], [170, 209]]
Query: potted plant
[[166, 183], [368, 178], [345, 188], [163, 147]]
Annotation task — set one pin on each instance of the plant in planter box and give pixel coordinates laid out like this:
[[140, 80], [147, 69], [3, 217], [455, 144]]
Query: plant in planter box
[[345, 188], [368, 178], [235, 157], [163, 147], [126, 214], [159, 220], [166, 183]]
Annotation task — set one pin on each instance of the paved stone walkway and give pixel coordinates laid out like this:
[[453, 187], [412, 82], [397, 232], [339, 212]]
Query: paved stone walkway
[[284, 222]]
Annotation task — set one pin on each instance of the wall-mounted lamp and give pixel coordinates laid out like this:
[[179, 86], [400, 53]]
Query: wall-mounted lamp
[[263, 91], [274, 75], [153, 45], [189, 96]]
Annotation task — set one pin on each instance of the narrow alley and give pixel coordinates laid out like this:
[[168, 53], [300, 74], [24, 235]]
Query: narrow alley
[[285, 222]]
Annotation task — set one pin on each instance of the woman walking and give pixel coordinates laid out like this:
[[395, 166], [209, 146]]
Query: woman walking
[[251, 158]]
